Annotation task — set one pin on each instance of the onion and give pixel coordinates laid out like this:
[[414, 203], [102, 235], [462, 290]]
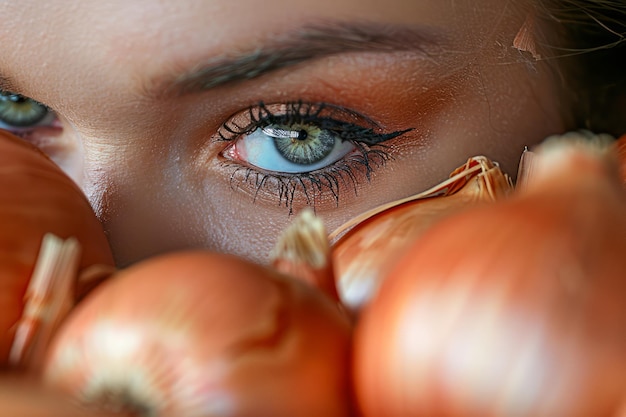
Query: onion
[[202, 334], [511, 309], [366, 247], [37, 198]]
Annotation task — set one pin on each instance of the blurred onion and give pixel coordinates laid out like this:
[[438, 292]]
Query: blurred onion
[[37, 198], [201, 334]]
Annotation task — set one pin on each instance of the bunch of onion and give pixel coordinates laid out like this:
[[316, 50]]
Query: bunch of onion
[[203, 334], [514, 308], [37, 199], [365, 248]]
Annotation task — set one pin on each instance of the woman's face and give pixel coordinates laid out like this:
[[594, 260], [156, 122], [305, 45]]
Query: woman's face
[[210, 123]]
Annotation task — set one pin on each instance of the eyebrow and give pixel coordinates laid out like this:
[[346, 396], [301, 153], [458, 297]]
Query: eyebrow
[[306, 44]]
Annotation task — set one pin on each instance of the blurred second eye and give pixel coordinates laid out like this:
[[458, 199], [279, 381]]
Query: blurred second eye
[[18, 112], [37, 124]]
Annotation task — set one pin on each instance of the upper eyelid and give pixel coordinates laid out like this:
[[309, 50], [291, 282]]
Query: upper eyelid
[[295, 111], [12, 92], [363, 136]]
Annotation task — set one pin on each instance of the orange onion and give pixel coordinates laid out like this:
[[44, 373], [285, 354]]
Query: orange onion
[[37, 198], [365, 248], [203, 334], [20, 397], [511, 309]]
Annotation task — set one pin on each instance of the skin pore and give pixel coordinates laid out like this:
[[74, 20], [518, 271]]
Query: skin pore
[[153, 102]]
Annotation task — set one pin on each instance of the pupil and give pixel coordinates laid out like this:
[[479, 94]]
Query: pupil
[[302, 135]]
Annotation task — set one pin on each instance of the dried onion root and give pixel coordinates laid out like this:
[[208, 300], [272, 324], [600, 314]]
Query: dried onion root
[[48, 299], [303, 252]]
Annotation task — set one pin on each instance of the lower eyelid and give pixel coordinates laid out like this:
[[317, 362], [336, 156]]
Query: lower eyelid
[[44, 137], [320, 189], [61, 145]]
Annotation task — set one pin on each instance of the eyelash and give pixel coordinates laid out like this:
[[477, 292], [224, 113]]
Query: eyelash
[[370, 152]]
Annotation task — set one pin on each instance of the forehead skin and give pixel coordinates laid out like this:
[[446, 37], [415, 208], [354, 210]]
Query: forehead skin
[[92, 62], [119, 44]]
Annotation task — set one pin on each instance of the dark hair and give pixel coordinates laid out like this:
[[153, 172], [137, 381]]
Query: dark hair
[[586, 42]]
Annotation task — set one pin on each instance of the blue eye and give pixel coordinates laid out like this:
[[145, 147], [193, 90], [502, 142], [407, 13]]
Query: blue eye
[[291, 149], [302, 151], [298, 138], [19, 113]]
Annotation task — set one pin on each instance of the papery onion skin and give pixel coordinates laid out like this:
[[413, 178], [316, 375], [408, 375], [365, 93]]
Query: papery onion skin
[[366, 253], [37, 197], [202, 334], [303, 252], [514, 309]]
